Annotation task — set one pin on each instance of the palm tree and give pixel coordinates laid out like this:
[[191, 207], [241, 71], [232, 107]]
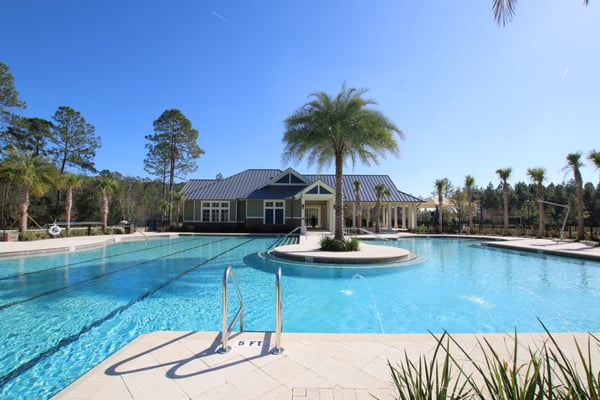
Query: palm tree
[[504, 174], [440, 187], [107, 187], [165, 205], [32, 175], [357, 204], [574, 163], [504, 10], [68, 182], [380, 192], [594, 157], [469, 183], [178, 198], [538, 175], [336, 129]]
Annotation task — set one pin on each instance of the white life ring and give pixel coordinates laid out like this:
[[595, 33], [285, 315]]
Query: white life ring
[[54, 230]]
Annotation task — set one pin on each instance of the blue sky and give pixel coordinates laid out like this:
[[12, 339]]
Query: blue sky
[[470, 96]]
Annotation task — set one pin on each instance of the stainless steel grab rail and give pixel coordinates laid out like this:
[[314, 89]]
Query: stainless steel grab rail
[[278, 314], [284, 238], [226, 329]]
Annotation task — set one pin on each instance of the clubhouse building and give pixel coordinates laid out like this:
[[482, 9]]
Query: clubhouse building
[[276, 201]]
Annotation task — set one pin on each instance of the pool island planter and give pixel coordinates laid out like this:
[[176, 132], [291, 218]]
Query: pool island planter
[[367, 254]]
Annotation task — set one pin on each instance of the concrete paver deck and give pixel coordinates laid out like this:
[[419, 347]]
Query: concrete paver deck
[[547, 246], [66, 244], [186, 365], [309, 251]]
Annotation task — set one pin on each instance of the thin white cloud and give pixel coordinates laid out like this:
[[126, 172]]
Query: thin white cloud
[[566, 71], [222, 18]]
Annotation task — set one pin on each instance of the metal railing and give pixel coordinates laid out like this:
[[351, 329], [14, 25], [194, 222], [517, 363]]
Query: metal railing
[[226, 328], [348, 232], [283, 239], [278, 314]]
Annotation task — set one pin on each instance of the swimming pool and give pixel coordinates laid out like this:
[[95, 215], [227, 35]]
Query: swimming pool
[[62, 314]]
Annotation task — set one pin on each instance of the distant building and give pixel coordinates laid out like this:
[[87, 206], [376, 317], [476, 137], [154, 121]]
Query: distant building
[[276, 201]]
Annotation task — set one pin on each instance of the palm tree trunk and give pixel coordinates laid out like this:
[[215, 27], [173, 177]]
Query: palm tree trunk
[[580, 225], [470, 205], [104, 213], [23, 206], [68, 206], [171, 182], [440, 200], [505, 193], [339, 206], [542, 217]]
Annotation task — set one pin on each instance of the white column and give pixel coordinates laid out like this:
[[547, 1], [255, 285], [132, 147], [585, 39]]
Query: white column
[[302, 216], [413, 217], [389, 222]]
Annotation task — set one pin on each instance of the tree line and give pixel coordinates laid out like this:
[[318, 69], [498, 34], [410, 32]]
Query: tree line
[[523, 206], [48, 172]]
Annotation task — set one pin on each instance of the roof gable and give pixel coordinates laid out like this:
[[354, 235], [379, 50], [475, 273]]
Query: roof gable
[[319, 189], [289, 177]]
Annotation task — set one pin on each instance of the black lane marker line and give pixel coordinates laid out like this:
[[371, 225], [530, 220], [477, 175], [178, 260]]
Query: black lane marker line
[[18, 276], [48, 292], [73, 338]]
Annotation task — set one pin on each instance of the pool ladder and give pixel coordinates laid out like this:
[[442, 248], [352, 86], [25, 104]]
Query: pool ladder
[[227, 328]]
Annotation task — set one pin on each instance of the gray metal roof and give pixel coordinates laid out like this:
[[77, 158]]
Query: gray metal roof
[[237, 186], [367, 187], [246, 184], [277, 192]]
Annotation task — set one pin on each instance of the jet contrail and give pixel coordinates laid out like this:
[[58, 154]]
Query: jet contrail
[[222, 18]]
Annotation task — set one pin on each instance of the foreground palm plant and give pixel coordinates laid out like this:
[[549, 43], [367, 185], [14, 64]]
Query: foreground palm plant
[[546, 372], [514, 380], [431, 378]]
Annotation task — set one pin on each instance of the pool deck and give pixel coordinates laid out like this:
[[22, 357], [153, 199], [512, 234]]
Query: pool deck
[[187, 365], [309, 245]]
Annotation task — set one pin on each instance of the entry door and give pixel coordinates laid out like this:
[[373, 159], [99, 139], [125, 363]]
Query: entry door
[[309, 213]]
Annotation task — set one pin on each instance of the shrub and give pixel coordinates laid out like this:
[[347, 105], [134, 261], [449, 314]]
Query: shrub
[[28, 236], [331, 244]]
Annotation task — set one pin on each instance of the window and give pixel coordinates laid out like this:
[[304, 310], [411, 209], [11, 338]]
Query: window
[[274, 212], [215, 212]]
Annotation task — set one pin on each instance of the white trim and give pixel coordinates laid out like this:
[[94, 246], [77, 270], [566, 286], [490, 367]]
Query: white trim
[[311, 196], [218, 208]]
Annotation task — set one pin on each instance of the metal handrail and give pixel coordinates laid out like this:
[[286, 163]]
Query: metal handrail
[[282, 240], [278, 314], [363, 230], [226, 329]]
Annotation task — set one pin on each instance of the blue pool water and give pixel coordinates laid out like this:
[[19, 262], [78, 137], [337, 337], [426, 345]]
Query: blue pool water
[[62, 314]]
